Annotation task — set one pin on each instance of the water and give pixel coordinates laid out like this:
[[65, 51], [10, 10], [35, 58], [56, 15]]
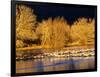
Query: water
[[55, 64]]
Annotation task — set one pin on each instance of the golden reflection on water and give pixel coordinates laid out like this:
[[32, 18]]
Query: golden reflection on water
[[54, 64]]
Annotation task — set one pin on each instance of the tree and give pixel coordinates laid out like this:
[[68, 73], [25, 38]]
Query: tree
[[91, 32], [82, 31], [53, 32], [44, 32], [60, 33], [25, 23]]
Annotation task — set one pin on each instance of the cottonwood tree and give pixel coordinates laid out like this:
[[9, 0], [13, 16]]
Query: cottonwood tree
[[25, 24], [82, 31], [91, 32], [60, 32], [54, 32], [44, 32]]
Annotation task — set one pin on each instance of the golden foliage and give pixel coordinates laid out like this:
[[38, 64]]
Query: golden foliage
[[82, 31], [44, 29], [54, 32], [25, 24], [60, 32], [19, 43]]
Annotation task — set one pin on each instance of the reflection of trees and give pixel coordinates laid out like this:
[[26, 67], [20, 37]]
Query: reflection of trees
[[40, 66], [72, 63]]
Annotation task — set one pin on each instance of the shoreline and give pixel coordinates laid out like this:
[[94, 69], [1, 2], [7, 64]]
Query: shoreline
[[57, 54], [40, 47]]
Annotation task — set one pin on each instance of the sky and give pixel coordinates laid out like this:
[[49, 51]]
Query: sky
[[69, 12]]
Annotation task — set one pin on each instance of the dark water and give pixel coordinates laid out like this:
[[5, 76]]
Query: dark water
[[55, 64]]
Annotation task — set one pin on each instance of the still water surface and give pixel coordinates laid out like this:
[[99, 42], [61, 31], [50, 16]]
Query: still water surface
[[54, 64]]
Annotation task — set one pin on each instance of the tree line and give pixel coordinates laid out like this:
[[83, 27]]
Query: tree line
[[51, 32]]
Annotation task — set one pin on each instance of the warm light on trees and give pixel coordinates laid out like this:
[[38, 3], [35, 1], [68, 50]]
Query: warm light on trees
[[25, 23], [44, 31], [54, 32], [20, 43], [82, 31], [91, 32], [60, 32]]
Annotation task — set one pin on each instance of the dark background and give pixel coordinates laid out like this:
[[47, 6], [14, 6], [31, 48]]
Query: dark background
[[69, 12]]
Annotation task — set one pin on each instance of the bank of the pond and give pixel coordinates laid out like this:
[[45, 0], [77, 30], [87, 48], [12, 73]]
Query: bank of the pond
[[39, 53]]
